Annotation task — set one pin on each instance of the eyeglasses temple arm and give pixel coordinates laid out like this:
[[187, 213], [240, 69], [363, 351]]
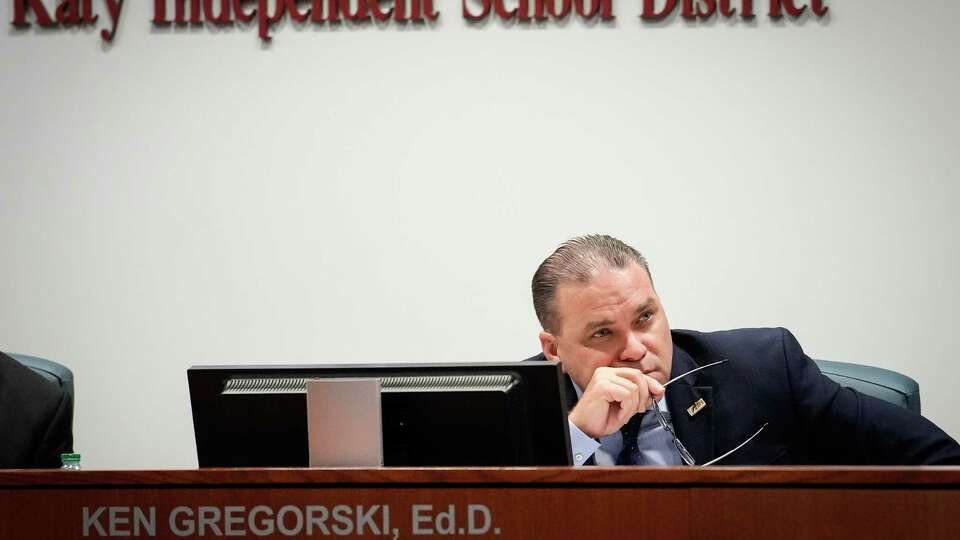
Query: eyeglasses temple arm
[[711, 462], [694, 370]]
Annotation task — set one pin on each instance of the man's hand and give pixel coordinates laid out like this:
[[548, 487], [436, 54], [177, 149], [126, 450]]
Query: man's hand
[[611, 398]]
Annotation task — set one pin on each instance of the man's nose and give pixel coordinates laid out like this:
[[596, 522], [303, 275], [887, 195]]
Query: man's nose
[[634, 350]]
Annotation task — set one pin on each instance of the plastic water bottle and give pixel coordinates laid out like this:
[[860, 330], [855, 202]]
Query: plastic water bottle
[[71, 462]]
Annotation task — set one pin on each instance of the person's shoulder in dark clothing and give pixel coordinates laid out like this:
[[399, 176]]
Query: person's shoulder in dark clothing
[[36, 418], [843, 426], [737, 342]]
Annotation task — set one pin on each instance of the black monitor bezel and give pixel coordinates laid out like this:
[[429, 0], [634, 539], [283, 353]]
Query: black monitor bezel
[[546, 379]]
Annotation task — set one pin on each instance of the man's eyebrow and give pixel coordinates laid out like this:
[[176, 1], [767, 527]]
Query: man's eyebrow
[[596, 324], [650, 303]]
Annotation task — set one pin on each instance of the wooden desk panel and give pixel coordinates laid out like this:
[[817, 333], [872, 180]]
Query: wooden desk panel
[[842, 513], [681, 503]]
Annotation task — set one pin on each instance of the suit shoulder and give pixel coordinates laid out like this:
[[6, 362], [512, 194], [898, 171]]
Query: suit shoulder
[[20, 385], [43, 410], [536, 358], [735, 342]]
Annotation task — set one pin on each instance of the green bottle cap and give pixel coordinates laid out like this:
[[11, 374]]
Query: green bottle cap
[[69, 457]]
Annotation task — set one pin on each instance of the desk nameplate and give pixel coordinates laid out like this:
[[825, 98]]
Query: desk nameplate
[[916, 502]]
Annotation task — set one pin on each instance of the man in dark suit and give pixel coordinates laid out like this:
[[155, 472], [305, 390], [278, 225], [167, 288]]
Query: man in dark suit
[[767, 403], [36, 418]]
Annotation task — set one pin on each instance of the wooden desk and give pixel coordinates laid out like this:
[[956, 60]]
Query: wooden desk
[[593, 502]]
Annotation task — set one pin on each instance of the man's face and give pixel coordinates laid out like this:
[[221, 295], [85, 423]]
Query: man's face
[[614, 320]]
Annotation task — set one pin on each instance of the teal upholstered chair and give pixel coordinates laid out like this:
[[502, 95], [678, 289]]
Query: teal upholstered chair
[[873, 381], [56, 373]]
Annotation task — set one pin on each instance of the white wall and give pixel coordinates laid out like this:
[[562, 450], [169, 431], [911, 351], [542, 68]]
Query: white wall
[[384, 194]]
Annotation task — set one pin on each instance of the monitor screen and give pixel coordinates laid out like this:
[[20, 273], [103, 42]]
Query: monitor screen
[[470, 414]]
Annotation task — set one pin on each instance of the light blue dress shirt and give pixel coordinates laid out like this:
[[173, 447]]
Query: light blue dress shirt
[[655, 443]]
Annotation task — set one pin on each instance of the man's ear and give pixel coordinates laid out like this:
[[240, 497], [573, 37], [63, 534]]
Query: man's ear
[[548, 342]]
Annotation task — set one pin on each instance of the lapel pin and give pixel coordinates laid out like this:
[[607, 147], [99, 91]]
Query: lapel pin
[[696, 407]]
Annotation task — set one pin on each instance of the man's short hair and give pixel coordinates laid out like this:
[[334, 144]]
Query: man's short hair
[[576, 260]]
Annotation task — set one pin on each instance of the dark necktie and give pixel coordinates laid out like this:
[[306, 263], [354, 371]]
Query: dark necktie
[[630, 431]]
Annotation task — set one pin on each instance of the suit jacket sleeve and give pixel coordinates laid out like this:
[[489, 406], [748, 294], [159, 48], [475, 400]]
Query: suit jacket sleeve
[[847, 427], [57, 435]]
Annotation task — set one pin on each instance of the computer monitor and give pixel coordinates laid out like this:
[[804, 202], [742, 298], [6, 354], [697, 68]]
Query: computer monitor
[[469, 414]]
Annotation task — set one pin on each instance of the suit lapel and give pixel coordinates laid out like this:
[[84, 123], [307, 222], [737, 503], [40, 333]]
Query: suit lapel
[[695, 432]]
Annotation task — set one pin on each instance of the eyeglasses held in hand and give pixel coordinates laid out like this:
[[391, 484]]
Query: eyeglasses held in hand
[[684, 453]]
